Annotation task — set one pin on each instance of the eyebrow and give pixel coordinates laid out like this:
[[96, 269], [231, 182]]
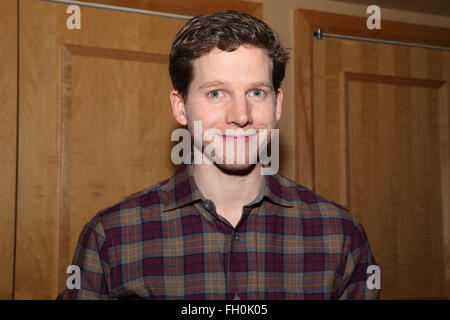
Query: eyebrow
[[214, 83], [209, 84]]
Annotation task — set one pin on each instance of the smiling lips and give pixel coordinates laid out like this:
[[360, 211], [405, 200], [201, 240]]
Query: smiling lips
[[238, 138]]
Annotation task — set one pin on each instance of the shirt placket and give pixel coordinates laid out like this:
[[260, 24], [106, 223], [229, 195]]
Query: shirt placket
[[207, 209], [236, 286]]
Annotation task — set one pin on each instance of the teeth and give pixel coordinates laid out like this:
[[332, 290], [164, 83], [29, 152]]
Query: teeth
[[236, 137]]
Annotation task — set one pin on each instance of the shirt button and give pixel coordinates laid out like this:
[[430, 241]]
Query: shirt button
[[236, 297], [236, 237], [207, 205]]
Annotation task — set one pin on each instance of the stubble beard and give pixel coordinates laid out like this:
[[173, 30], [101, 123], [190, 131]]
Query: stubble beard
[[233, 167]]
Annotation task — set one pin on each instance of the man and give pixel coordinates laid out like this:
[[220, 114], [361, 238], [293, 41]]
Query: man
[[223, 230]]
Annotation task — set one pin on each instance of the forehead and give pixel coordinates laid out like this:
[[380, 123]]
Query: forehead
[[245, 64]]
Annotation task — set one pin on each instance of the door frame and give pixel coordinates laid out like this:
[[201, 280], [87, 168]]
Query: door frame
[[189, 8], [308, 21]]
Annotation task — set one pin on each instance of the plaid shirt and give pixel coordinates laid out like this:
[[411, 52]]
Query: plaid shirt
[[168, 242]]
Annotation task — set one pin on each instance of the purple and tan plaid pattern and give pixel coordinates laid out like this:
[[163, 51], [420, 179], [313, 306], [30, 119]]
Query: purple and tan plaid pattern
[[168, 242]]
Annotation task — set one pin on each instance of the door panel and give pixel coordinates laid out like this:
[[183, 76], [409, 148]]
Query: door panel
[[394, 176], [380, 147], [117, 142], [95, 127]]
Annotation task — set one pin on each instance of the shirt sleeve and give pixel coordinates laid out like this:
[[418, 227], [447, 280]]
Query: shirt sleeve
[[91, 256], [356, 279]]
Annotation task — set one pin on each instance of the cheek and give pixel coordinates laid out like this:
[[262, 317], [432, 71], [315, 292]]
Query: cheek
[[209, 117], [266, 116]]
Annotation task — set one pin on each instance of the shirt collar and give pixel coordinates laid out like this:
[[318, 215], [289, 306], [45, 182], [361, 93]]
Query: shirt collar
[[280, 190], [181, 190]]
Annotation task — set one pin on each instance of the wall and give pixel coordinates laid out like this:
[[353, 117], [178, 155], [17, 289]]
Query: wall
[[279, 14]]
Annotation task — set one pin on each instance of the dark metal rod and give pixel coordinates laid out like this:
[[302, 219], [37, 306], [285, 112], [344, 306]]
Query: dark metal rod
[[319, 34]]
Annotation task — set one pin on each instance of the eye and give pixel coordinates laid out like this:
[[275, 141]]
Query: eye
[[215, 94], [257, 93]]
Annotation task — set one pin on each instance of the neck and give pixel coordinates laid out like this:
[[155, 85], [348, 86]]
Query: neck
[[229, 192]]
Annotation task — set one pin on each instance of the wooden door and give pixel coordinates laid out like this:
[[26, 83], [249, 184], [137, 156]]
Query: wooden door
[[95, 126], [378, 136], [8, 142]]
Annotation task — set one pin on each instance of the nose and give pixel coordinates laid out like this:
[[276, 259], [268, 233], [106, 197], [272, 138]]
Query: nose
[[238, 112]]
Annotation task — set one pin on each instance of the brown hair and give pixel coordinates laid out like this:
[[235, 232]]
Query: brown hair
[[226, 30]]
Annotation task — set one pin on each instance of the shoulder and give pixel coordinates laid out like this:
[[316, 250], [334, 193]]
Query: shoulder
[[321, 217], [310, 202], [316, 210], [129, 210]]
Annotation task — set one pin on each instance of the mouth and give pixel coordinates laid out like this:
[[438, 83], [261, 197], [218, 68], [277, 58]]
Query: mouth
[[239, 138]]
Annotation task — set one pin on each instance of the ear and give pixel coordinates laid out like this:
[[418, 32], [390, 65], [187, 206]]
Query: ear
[[278, 107], [178, 108]]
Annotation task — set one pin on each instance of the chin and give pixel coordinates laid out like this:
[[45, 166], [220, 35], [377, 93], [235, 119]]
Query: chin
[[236, 169]]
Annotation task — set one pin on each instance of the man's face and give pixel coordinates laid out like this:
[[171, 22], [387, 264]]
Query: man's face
[[230, 90]]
